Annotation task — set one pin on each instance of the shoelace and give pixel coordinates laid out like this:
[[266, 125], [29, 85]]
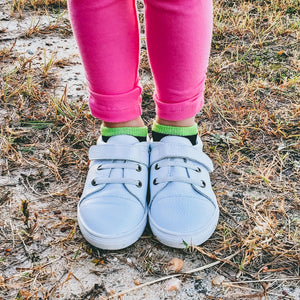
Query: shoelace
[[184, 179], [120, 180]]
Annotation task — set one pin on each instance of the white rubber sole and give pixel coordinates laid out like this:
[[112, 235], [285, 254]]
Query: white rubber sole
[[113, 242], [179, 240]]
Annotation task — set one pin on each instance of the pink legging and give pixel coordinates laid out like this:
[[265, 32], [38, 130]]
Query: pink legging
[[178, 35]]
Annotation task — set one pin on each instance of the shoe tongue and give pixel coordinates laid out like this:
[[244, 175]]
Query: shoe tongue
[[176, 139], [181, 187], [120, 139]]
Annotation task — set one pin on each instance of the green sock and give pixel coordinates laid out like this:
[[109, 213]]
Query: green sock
[[175, 130], [139, 132], [159, 131]]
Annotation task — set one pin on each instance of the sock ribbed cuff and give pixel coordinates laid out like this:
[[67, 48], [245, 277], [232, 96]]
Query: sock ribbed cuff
[[174, 130], [134, 131]]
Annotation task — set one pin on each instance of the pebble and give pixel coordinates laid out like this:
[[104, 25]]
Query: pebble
[[175, 264], [218, 280], [129, 260], [137, 282], [4, 17], [173, 284]]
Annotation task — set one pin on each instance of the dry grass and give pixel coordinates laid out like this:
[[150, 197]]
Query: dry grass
[[20, 5], [250, 126]]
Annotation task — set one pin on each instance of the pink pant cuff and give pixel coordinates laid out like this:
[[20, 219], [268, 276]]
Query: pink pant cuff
[[116, 108], [178, 111]]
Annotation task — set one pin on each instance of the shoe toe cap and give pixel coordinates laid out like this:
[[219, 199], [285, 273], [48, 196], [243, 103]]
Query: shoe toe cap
[[110, 217], [184, 215]]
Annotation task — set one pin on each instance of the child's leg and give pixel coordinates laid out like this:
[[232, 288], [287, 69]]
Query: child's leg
[[183, 208], [107, 34], [178, 38], [112, 211]]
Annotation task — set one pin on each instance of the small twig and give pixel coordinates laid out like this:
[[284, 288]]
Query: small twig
[[172, 276], [33, 269], [8, 38], [264, 280], [233, 296], [8, 184], [224, 260], [31, 187], [48, 294], [223, 117], [24, 245]]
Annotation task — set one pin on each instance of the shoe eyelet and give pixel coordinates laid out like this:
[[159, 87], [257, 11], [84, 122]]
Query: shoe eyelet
[[198, 170], [94, 182], [155, 181], [139, 168], [156, 167], [140, 184], [203, 184], [99, 167]]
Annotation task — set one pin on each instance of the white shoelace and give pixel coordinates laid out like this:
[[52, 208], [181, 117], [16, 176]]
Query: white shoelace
[[184, 179], [120, 180]]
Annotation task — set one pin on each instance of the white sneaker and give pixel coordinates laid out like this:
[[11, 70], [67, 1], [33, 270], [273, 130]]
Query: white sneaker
[[112, 211], [183, 209]]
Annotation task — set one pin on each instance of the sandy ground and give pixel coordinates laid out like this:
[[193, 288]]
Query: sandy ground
[[56, 262]]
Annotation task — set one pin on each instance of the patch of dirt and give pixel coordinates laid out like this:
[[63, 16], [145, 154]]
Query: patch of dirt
[[250, 128]]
